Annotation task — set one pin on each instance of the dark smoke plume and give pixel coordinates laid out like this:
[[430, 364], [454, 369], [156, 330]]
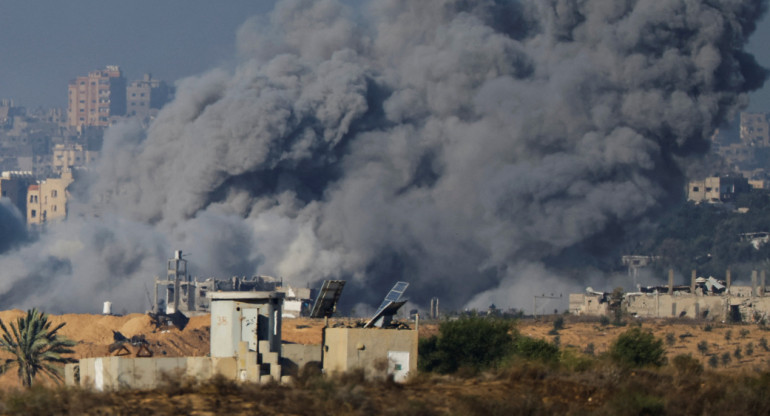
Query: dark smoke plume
[[476, 149]]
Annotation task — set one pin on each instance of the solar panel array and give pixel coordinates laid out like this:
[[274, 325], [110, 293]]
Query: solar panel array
[[326, 303], [390, 305]]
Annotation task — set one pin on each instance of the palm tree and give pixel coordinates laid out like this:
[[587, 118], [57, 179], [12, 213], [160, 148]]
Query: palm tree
[[35, 347]]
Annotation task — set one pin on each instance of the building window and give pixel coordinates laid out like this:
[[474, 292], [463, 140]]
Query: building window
[[33, 213], [54, 193], [695, 189]]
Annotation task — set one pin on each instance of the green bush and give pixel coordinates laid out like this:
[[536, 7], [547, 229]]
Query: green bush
[[637, 348], [470, 342], [536, 349]]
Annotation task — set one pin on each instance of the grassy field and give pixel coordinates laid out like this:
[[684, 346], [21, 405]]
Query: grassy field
[[583, 381]]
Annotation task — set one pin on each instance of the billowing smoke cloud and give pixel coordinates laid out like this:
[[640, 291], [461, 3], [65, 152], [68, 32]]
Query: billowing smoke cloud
[[475, 149]]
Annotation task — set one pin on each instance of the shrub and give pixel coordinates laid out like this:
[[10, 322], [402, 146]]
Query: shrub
[[558, 323], [744, 332], [703, 347], [637, 348], [536, 349], [763, 344], [589, 349], [670, 339], [737, 353], [604, 320], [728, 335], [726, 358], [708, 328], [473, 342], [686, 366], [713, 361], [750, 349]]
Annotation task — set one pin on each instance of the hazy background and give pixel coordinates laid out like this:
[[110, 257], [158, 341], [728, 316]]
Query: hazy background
[[484, 151], [46, 43]]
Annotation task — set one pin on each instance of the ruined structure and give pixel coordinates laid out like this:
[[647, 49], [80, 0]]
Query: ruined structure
[[704, 298], [246, 345], [180, 292]]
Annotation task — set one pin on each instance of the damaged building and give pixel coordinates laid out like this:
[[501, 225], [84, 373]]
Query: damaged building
[[704, 298], [179, 291]]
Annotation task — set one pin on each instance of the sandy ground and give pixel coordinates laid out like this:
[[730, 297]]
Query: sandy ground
[[94, 334]]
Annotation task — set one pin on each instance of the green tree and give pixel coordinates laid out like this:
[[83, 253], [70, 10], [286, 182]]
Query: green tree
[[473, 342], [638, 348], [35, 347]]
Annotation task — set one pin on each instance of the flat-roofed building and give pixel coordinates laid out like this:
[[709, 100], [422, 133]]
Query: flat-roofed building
[[47, 200], [95, 98]]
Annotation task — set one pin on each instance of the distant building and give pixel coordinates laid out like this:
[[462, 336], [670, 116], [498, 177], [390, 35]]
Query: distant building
[[67, 156], [95, 98], [755, 129], [146, 96], [717, 189], [47, 200], [13, 185], [179, 292]]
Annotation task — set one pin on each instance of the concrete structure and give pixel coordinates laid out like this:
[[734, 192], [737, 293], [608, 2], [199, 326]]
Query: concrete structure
[[755, 129], [703, 298], [68, 156], [47, 200], [378, 352], [180, 292], [717, 189], [245, 345], [246, 326], [14, 185], [112, 373], [146, 96], [95, 98]]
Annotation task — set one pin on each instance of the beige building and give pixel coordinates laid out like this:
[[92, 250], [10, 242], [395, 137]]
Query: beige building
[[378, 352], [703, 299], [67, 156], [47, 200], [95, 98], [717, 189]]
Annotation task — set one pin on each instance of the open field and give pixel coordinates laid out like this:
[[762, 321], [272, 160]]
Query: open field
[[592, 386]]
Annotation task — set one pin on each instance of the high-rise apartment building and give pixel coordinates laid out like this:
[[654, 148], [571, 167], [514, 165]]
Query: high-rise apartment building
[[93, 99], [755, 129], [146, 96]]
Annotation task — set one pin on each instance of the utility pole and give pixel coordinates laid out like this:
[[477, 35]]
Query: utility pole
[[543, 296]]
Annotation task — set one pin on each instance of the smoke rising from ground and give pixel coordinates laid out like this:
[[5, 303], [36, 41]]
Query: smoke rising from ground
[[474, 149]]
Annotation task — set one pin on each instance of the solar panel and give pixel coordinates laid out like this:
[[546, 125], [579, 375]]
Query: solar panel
[[389, 306], [326, 303]]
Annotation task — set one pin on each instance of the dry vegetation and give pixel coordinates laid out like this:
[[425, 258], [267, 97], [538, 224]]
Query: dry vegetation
[[579, 383]]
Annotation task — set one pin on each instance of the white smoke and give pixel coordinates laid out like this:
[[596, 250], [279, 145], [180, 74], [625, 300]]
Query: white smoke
[[464, 147]]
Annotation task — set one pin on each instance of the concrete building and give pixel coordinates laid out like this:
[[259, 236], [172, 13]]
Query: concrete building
[[146, 96], [95, 98], [245, 345], [47, 199], [717, 189], [14, 185], [181, 292], [703, 298], [378, 352], [755, 129], [72, 155]]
